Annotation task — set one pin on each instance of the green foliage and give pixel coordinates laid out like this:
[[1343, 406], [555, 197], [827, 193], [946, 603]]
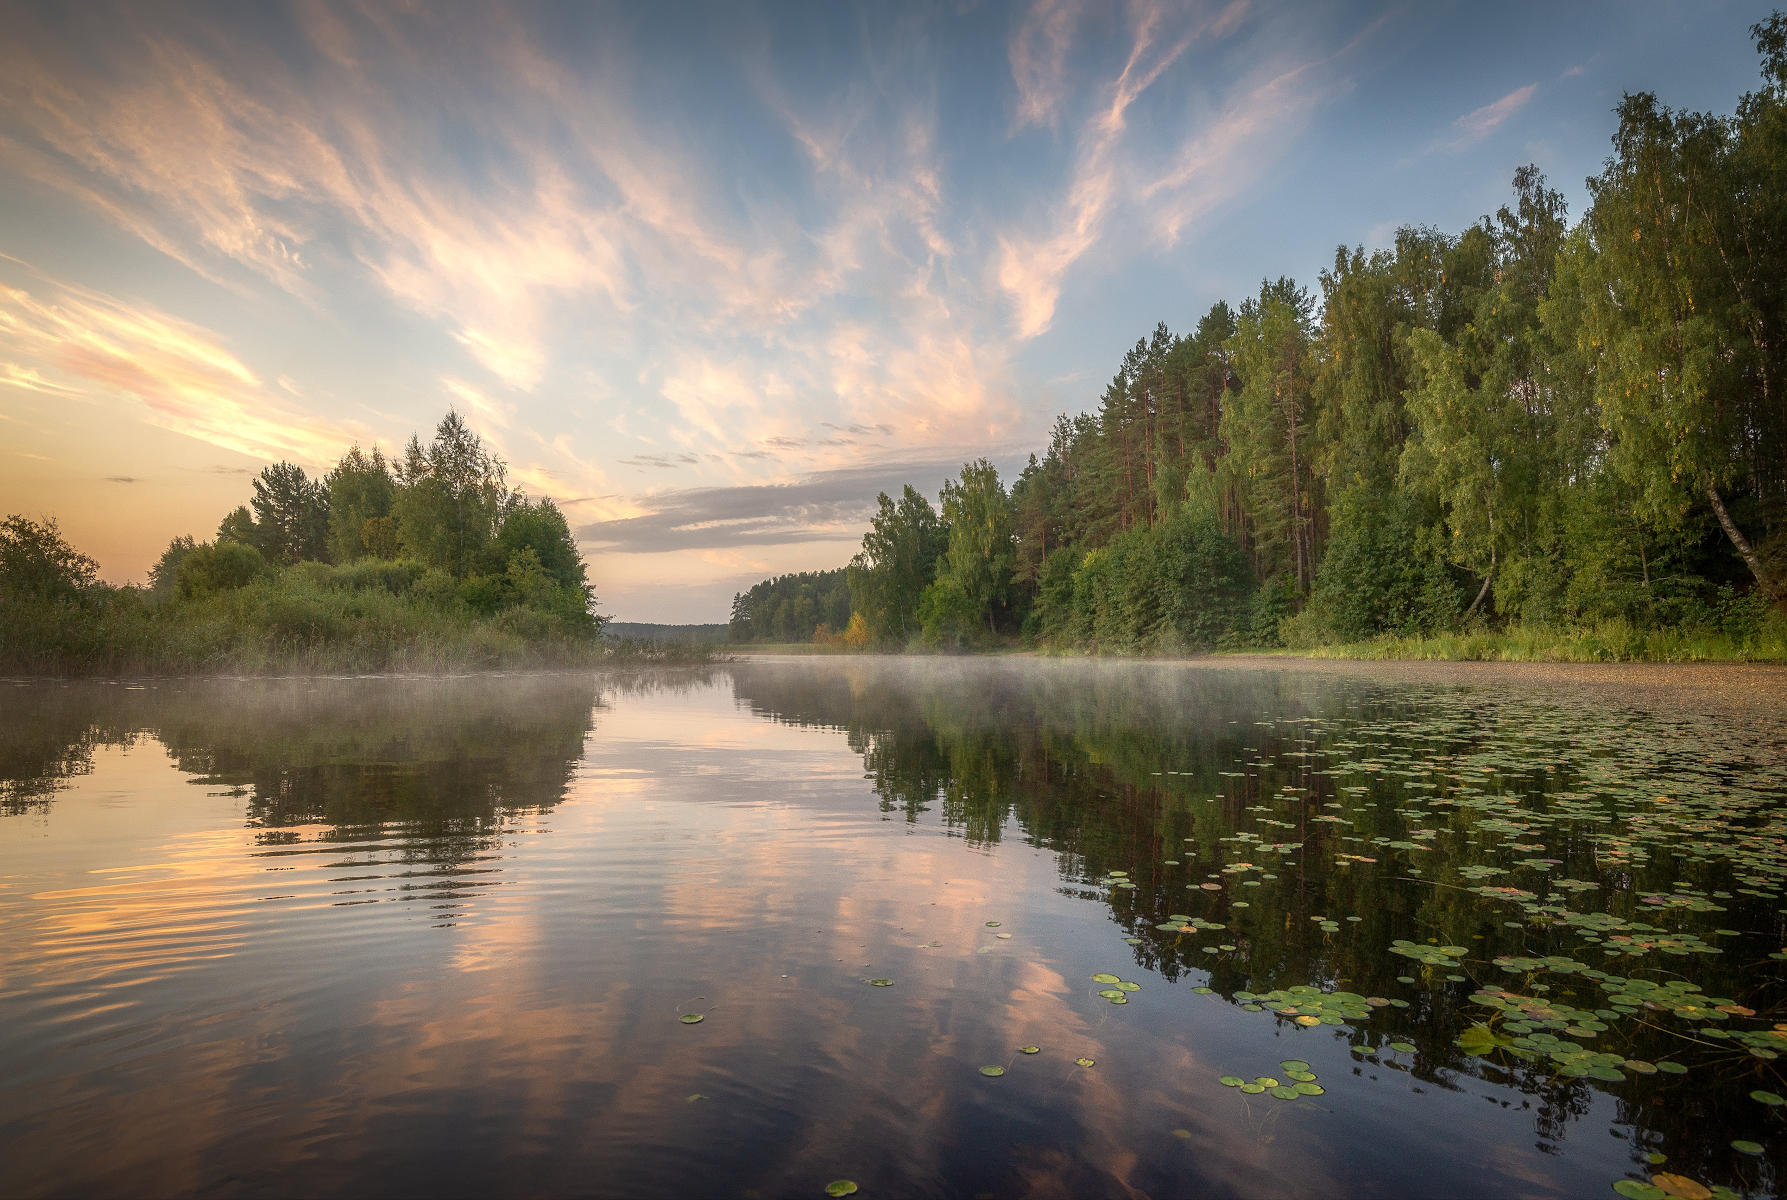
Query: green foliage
[[898, 561], [791, 608], [37, 561], [291, 515], [213, 567], [974, 576], [163, 574], [361, 490], [452, 499]]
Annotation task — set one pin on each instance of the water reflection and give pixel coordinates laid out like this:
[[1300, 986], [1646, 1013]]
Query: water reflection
[[393, 934]]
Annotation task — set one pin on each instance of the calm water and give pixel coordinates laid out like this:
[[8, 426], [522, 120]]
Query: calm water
[[401, 936]]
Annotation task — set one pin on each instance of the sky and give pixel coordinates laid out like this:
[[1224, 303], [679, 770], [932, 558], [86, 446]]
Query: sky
[[712, 276]]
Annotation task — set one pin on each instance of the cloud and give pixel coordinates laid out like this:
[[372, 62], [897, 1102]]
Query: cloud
[[1038, 56], [122, 479], [826, 506], [1033, 264], [83, 344], [1479, 123]]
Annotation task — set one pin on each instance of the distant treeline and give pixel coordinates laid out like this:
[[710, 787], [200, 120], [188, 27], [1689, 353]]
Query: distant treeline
[[1526, 423], [792, 608], [429, 562]]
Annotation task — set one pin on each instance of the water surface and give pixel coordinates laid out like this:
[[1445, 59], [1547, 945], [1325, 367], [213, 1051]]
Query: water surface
[[397, 935]]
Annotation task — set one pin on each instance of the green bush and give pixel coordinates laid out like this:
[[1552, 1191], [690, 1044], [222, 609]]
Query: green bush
[[218, 567]]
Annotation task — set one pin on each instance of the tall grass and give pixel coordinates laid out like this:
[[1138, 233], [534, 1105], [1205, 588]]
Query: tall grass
[[309, 619], [1607, 641]]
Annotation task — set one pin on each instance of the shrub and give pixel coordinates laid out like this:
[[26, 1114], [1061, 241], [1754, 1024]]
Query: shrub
[[212, 567]]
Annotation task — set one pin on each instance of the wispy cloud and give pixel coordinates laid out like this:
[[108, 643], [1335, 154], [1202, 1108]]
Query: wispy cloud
[[1479, 123], [74, 342]]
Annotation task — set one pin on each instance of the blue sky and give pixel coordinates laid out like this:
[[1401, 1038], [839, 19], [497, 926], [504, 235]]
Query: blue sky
[[712, 276]]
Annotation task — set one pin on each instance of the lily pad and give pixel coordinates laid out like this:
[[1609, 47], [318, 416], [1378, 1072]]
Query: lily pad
[[1253, 1089], [1681, 1187], [1746, 1147], [1401, 1047], [1294, 1064], [1104, 977], [1284, 1093], [1130, 987], [1637, 1190], [1029, 1049], [1672, 1068], [881, 983], [1307, 1087], [1772, 1099], [992, 924], [1231, 1081], [992, 1072], [841, 1187], [1082, 1062], [691, 1018], [1302, 1076]]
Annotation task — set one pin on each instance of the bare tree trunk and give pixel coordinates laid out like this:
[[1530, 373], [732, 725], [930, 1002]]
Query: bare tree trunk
[[1743, 547], [1484, 590]]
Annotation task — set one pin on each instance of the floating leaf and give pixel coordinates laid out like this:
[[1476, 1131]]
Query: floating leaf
[[1309, 1088], [992, 1072], [1103, 977], [695, 1097], [1006, 936], [1082, 1062], [1029, 1049], [1402, 1047], [1294, 1064], [840, 1187], [1681, 1187], [992, 924], [691, 1018], [1672, 1068], [1130, 987], [1637, 1190], [1284, 1093], [1111, 994], [1182, 1134], [1202, 991], [1253, 1089], [1266, 1081], [881, 982], [1302, 1076], [1745, 1147], [1772, 1099], [1231, 1081]]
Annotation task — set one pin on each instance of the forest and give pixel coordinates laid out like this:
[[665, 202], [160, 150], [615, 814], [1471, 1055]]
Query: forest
[[431, 561], [1527, 425]]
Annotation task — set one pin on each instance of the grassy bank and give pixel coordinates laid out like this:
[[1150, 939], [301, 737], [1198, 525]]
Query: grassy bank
[[308, 619], [1608, 641]]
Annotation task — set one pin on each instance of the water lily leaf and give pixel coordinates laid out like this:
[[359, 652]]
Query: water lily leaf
[[992, 1072], [1082, 1062], [1639, 1191], [1294, 1064], [1302, 1076], [1182, 1134], [1006, 936], [1772, 1099], [1672, 1068], [1130, 987], [1266, 1081], [992, 924], [1307, 1088], [1253, 1089], [1681, 1186], [1029, 1049], [691, 1018], [1402, 1047], [881, 983], [1231, 1081], [1746, 1147], [1103, 977], [1284, 1093], [840, 1187], [1111, 994]]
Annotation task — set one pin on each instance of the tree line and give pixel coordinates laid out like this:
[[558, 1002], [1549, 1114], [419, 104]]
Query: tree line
[[444, 508], [1526, 422]]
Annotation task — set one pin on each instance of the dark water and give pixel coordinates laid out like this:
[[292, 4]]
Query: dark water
[[436, 936]]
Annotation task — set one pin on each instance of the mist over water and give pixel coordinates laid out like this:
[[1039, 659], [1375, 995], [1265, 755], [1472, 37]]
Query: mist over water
[[399, 935]]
